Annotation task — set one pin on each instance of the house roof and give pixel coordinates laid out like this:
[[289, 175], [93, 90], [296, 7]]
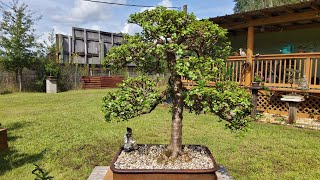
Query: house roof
[[291, 16]]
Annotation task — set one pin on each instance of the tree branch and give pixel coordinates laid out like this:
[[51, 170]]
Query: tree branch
[[159, 100]]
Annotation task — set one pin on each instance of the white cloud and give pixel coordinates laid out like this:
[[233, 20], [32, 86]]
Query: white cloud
[[84, 12], [133, 28], [44, 37], [95, 27], [57, 30], [165, 3]]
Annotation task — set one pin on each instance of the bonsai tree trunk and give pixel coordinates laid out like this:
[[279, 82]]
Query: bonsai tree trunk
[[177, 109]]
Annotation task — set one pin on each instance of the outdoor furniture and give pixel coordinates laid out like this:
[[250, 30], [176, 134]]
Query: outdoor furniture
[[293, 102]]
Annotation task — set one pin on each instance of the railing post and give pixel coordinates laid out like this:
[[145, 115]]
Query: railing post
[[250, 46], [307, 69]]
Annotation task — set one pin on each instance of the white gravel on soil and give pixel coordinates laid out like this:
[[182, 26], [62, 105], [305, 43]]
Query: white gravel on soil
[[154, 157]]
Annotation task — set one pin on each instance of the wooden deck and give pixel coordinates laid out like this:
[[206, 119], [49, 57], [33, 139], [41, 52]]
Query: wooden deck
[[272, 68]]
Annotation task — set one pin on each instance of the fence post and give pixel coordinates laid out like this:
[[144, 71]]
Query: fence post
[[307, 70]]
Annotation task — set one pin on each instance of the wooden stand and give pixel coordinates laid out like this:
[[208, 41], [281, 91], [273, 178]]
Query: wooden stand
[[105, 173], [114, 176], [3, 140], [254, 101], [293, 107]]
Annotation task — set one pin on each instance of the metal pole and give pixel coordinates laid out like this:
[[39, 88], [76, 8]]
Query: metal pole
[[185, 9]]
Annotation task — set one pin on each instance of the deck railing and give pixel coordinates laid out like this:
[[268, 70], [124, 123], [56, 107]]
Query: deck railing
[[273, 68], [234, 68]]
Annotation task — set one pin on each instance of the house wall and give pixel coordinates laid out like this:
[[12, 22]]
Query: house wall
[[272, 42]]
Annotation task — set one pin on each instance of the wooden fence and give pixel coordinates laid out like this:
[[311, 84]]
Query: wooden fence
[[98, 82]]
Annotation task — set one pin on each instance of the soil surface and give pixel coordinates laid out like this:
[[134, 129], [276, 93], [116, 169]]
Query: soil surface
[[158, 157]]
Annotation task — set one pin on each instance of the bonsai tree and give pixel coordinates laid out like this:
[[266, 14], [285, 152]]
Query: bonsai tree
[[176, 42], [291, 77]]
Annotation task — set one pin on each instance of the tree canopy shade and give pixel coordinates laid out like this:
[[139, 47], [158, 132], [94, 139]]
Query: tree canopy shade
[[250, 5], [179, 43], [17, 38]]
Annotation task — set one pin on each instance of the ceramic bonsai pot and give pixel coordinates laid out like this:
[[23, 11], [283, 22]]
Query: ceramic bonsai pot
[[3, 139], [160, 174], [255, 84]]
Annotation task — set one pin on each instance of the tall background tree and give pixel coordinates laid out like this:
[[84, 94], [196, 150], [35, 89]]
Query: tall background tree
[[46, 63], [17, 38], [186, 47], [250, 5]]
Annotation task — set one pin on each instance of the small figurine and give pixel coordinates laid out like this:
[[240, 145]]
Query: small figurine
[[129, 143], [242, 52], [303, 84]]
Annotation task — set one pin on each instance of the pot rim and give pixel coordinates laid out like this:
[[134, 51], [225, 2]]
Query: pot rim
[[165, 171]]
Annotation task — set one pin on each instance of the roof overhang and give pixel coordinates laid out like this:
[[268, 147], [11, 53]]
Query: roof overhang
[[292, 16]]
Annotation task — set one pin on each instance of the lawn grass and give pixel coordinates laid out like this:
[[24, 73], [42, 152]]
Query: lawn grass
[[66, 134]]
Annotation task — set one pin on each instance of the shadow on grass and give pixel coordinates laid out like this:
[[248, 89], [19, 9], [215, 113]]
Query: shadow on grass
[[12, 159], [18, 125], [98, 153], [13, 138], [5, 92]]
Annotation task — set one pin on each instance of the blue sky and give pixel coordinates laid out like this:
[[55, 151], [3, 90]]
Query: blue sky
[[62, 15]]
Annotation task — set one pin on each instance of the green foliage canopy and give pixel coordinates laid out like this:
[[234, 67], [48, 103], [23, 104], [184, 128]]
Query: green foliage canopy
[[168, 32], [224, 99], [136, 96], [17, 37], [186, 47]]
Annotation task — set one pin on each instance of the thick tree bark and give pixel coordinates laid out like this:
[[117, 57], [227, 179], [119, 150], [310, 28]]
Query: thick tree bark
[[177, 109]]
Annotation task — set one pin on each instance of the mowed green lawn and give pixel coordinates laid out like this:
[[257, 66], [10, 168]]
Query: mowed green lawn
[[66, 134]]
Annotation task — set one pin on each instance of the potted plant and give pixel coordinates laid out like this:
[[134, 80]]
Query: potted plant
[[185, 47], [3, 139], [257, 79]]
